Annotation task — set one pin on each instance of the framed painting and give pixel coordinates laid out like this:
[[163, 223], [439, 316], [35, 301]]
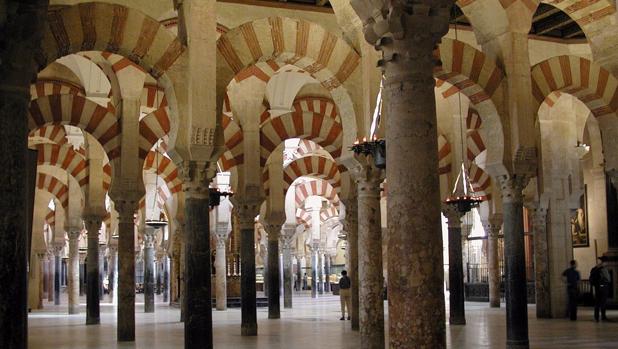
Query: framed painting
[[579, 223]]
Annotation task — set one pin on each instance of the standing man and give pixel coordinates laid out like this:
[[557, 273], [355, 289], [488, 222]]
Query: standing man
[[600, 280], [572, 280], [345, 294]]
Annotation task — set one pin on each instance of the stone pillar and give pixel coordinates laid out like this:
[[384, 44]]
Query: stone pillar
[[126, 208], [102, 248], [492, 229], [49, 276], [113, 274], [247, 211], [57, 270], [515, 263], [220, 266], [416, 295], [370, 278], [351, 226], [457, 314], [93, 224], [314, 269], [198, 287], [287, 239], [320, 271], [166, 277], [541, 261], [149, 265], [274, 306], [611, 264], [327, 272], [82, 273], [73, 287]]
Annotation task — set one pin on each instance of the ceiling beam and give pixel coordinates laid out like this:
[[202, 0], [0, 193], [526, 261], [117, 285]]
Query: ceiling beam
[[555, 22], [544, 12]]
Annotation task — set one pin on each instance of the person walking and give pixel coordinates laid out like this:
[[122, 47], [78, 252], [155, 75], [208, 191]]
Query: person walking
[[600, 281], [345, 294], [572, 280]]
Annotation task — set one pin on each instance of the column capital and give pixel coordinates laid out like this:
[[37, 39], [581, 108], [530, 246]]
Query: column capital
[[453, 215], [538, 215], [367, 177], [248, 208], [57, 247], [493, 225], [93, 224], [74, 234], [196, 177]]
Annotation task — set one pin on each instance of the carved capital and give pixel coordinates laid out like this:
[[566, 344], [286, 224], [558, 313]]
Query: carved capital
[[248, 208], [57, 248], [93, 225], [367, 177], [538, 215], [493, 225], [453, 215], [196, 177]]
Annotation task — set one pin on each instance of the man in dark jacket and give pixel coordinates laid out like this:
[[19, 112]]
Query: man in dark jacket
[[345, 294], [572, 280], [600, 281]]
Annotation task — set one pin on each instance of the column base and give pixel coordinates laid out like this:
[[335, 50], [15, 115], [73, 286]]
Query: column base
[[494, 305], [517, 344], [248, 330], [274, 316], [73, 311], [93, 321], [456, 321]]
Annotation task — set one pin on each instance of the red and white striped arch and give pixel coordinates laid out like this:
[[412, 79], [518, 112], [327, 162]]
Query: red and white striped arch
[[46, 87], [153, 96], [596, 87], [233, 138], [50, 218], [79, 112], [54, 133], [480, 180], [312, 166], [445, 161], [55, 187], [316, 187], [590, 15], [303, 217], [113, 28], [329, 213], [65, 158], [153, 127], [166, 169]]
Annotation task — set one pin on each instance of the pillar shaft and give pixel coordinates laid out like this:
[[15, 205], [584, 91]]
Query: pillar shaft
[[49, 278], [370, 279], [457, 315], [351, 223], [541, 263], [327, 273], [73, 284], [247, 214], [57, 273], [287, 276], [220, 267], [314, 272], [126, 270], [93, 224], [493, 261], [166, 278], [274, 311], [149, 265], [320, 279], [515, 265]]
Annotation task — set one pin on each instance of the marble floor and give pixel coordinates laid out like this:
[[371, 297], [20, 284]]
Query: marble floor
[[313, 323]]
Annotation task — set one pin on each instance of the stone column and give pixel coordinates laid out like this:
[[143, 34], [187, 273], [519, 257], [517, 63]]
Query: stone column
[[41, 257], [82, 273], [113, 274], [611, 195], [327, 272], [93, 224], [541, 261], [166, 277], [492, 229], [73, 287], [102, 248], [320, 271], [126, 208], [198, 287], [514, 262], [57, 270], [287, 239], [149, 265], [416, 295], [220, 266], [370, 278], [457, 314], [274, 306], [248, 209], [49, 275], [351, 226], [314, 269]]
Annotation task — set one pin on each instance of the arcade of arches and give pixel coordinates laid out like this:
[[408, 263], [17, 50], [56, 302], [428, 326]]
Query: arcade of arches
[[193, 158]]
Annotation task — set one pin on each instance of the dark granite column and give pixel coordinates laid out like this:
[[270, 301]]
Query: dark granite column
[[351, 226], [198, 288], [370, 278], [149, 265], [457, 315], [612, 231], [274, 307], [320, 279], [286, 246], [126, 207], [415, 265], [93, 225], [102, 248], [327, 272], [49, 276], [20, 34], [541, 261], [314, 270], [166, 278], [248, 209], [73, 285], [515, 263], [492, 229], [57, 270]]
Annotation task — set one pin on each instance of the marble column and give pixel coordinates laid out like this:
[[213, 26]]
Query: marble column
[[49, 276], [82, 273], [327, 272], [102, 248], [370, 278], [57, 270], [416, 295], [126, 208], [113, 273], [73, 284], [149, 265], [541, 261], [314, 269], [93, 224], [274, 306], [248, 209], [220, 266], [320, 271], [286, 247], [515, 263], [457, 315], [166, 277], [351, 226], [23, 24], [492, 229]]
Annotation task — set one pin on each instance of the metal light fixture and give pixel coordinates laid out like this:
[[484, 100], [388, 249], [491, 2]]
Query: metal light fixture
[[376, 148], [214, 196]]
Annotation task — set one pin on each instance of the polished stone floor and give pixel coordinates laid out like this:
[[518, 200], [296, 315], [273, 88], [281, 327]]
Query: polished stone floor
[[313, 323]]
